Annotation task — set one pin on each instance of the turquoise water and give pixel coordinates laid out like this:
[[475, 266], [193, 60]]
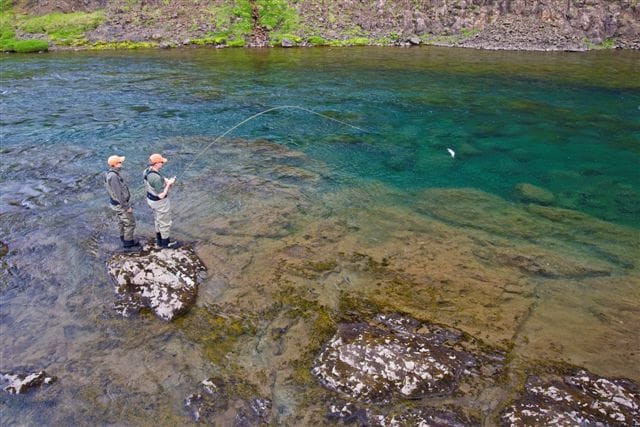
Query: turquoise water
[[567, 123], [292, 203]]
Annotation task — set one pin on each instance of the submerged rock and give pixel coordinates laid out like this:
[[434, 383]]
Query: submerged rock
[[164, 281], [376, 363], [531, 193], [350, 413], [216, 404], [579, 399], [17, 384]]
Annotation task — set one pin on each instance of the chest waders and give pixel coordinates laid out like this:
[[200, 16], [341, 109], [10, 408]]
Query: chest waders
[[161, 211], [126, 220]]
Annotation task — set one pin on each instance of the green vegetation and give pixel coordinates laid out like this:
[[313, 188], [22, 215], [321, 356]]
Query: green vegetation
[[276, 39], [62, 28], [217, 334], [121, 45], [317, 41], [8, 41], [277, 15], [356, 41], [236, 21], [212, 39], [605, 44]]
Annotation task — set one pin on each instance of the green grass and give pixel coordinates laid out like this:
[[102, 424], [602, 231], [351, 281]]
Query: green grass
[[8, 41], [29, 46], [356, 41], [317, 41], [276, 38], [605, 44], [123, 45], [277, 15], [62, 28]]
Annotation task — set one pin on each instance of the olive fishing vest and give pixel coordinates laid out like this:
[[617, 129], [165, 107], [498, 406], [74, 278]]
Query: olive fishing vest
[[151, 193], [115, 199]]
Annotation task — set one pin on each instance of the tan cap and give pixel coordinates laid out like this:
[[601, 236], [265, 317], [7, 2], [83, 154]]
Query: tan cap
[[113, 160], [157, 158]]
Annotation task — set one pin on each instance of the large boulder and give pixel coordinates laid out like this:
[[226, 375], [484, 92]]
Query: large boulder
[[165, 281], [578, 399], [375, 363]]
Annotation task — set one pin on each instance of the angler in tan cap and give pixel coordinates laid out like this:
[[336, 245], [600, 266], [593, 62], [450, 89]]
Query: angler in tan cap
[[120, 202], [158, 199]]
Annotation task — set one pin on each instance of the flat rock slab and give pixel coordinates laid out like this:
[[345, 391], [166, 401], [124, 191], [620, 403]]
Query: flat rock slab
[[164, 281], [18, 383], [578, 399], [374, 363]]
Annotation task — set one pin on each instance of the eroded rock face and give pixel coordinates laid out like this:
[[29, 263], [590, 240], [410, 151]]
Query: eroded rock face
[[165, 281], [376, 363], [17, 384], [579, 399]]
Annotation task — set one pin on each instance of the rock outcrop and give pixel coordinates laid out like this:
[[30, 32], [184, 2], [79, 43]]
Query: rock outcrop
[[578, 399], [18, 383], [376, 363], [165, 281]]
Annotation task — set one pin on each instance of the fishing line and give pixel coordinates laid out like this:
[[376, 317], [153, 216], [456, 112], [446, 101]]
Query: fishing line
[[228, 131]]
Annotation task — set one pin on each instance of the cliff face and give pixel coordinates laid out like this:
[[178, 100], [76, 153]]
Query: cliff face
[[492, 24]]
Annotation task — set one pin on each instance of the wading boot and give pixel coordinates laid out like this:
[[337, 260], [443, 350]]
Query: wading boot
[[158, 240], [166, 243], [131, 245]]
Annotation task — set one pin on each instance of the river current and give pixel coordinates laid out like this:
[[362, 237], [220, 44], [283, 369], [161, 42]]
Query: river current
[[493, 192]]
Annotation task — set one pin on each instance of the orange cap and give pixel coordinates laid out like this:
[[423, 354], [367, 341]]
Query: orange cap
[[157, 158], [114, 160]]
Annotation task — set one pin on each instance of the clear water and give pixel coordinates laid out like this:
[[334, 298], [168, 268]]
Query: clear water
[[568, 123]]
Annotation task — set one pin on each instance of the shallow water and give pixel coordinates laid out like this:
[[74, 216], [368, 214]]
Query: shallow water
[[291, 203]]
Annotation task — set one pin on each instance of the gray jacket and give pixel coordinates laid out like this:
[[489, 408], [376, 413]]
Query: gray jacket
[[117, 188]]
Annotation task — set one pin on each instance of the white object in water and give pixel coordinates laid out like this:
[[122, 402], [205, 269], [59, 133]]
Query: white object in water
[[453, 153]]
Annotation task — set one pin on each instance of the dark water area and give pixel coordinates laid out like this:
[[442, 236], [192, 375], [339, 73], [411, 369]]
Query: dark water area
[[291, 201]]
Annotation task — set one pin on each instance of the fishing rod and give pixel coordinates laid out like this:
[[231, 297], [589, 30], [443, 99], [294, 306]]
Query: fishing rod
[[231, 129]]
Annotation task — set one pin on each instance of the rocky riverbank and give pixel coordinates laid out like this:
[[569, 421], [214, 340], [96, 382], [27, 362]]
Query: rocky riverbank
[[572, 25]]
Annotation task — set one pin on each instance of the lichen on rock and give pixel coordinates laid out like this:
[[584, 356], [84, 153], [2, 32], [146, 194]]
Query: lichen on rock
[[164, 281], [378, 362], [578, 399], [17, 383]]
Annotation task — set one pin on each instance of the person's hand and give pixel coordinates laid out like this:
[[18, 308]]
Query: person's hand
[[172, 180], [130, 210]]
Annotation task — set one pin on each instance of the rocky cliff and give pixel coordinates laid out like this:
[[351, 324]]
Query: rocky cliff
[[489, 24]]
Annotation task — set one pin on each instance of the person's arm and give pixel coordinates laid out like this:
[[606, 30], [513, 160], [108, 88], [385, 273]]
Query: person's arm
[[168, 182]]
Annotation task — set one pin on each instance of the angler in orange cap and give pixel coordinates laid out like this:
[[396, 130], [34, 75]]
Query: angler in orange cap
[[120, 202], [158, 199]]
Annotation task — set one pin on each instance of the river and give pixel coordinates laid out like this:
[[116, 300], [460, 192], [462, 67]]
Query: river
[[386, 177]]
